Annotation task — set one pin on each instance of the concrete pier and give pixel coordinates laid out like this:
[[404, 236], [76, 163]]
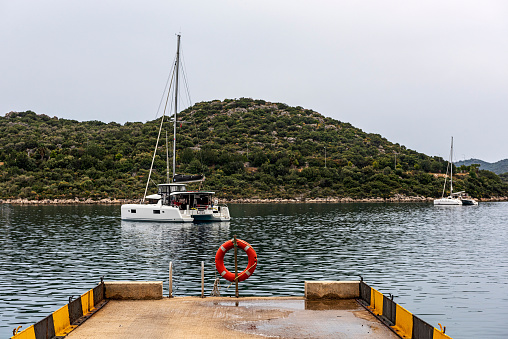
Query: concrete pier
[[330, 309], [194, 317]]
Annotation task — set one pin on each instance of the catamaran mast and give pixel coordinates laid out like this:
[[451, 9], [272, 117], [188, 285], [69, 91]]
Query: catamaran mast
[[177, 67], [162, 122]]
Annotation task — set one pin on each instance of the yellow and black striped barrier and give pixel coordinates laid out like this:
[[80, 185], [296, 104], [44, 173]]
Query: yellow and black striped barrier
[[65, 319], [400, 320]]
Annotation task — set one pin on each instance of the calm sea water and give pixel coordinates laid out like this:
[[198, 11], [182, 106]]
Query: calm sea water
[[448, 265]]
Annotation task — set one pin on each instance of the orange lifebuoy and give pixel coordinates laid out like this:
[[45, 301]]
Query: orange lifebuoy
[[221, 252]]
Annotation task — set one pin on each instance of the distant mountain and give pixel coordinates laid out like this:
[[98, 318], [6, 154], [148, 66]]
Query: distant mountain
[[498, 167]]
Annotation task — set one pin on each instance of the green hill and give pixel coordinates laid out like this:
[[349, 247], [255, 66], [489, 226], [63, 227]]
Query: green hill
[[246, 148]]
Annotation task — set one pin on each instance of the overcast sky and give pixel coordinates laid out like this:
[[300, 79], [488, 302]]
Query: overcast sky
[[415, 72]]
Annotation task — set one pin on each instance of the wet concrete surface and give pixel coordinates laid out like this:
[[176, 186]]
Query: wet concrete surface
[[191, 317]]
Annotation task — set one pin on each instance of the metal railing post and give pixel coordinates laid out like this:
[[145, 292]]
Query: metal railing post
[[171, 279], [202, 279]]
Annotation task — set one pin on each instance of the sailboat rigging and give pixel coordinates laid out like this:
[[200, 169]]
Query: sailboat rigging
[[173, 203]]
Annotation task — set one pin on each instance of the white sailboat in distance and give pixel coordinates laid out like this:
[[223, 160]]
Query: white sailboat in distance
[[452, 199]]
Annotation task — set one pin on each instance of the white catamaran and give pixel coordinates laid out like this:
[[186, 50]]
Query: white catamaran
[[173, 203]]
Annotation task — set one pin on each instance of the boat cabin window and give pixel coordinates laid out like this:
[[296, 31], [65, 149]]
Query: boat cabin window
[[156, 212], [178, 188], [164, 189], [202, 200], [167, 189], [132, 211], [192, 200]]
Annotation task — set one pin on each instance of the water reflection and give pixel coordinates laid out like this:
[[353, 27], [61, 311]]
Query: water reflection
[[446, 265]]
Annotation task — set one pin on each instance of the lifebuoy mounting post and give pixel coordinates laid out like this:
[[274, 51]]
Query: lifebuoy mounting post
[[219, 260], [235, 244]]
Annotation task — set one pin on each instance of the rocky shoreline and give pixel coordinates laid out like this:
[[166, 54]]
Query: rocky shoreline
[[335, 200], [332, 200], [75, 201]]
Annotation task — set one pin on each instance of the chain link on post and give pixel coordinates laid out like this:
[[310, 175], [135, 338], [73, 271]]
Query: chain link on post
[[216, 288]]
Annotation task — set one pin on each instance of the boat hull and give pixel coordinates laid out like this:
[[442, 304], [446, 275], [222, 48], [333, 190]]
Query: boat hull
[[154, 212], [211, 215], [163, 213], [469, 202], [208, 218], [447, 202]]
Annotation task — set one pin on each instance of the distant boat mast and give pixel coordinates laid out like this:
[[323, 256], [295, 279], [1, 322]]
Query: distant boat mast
[[450, 164], [451, 169]]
